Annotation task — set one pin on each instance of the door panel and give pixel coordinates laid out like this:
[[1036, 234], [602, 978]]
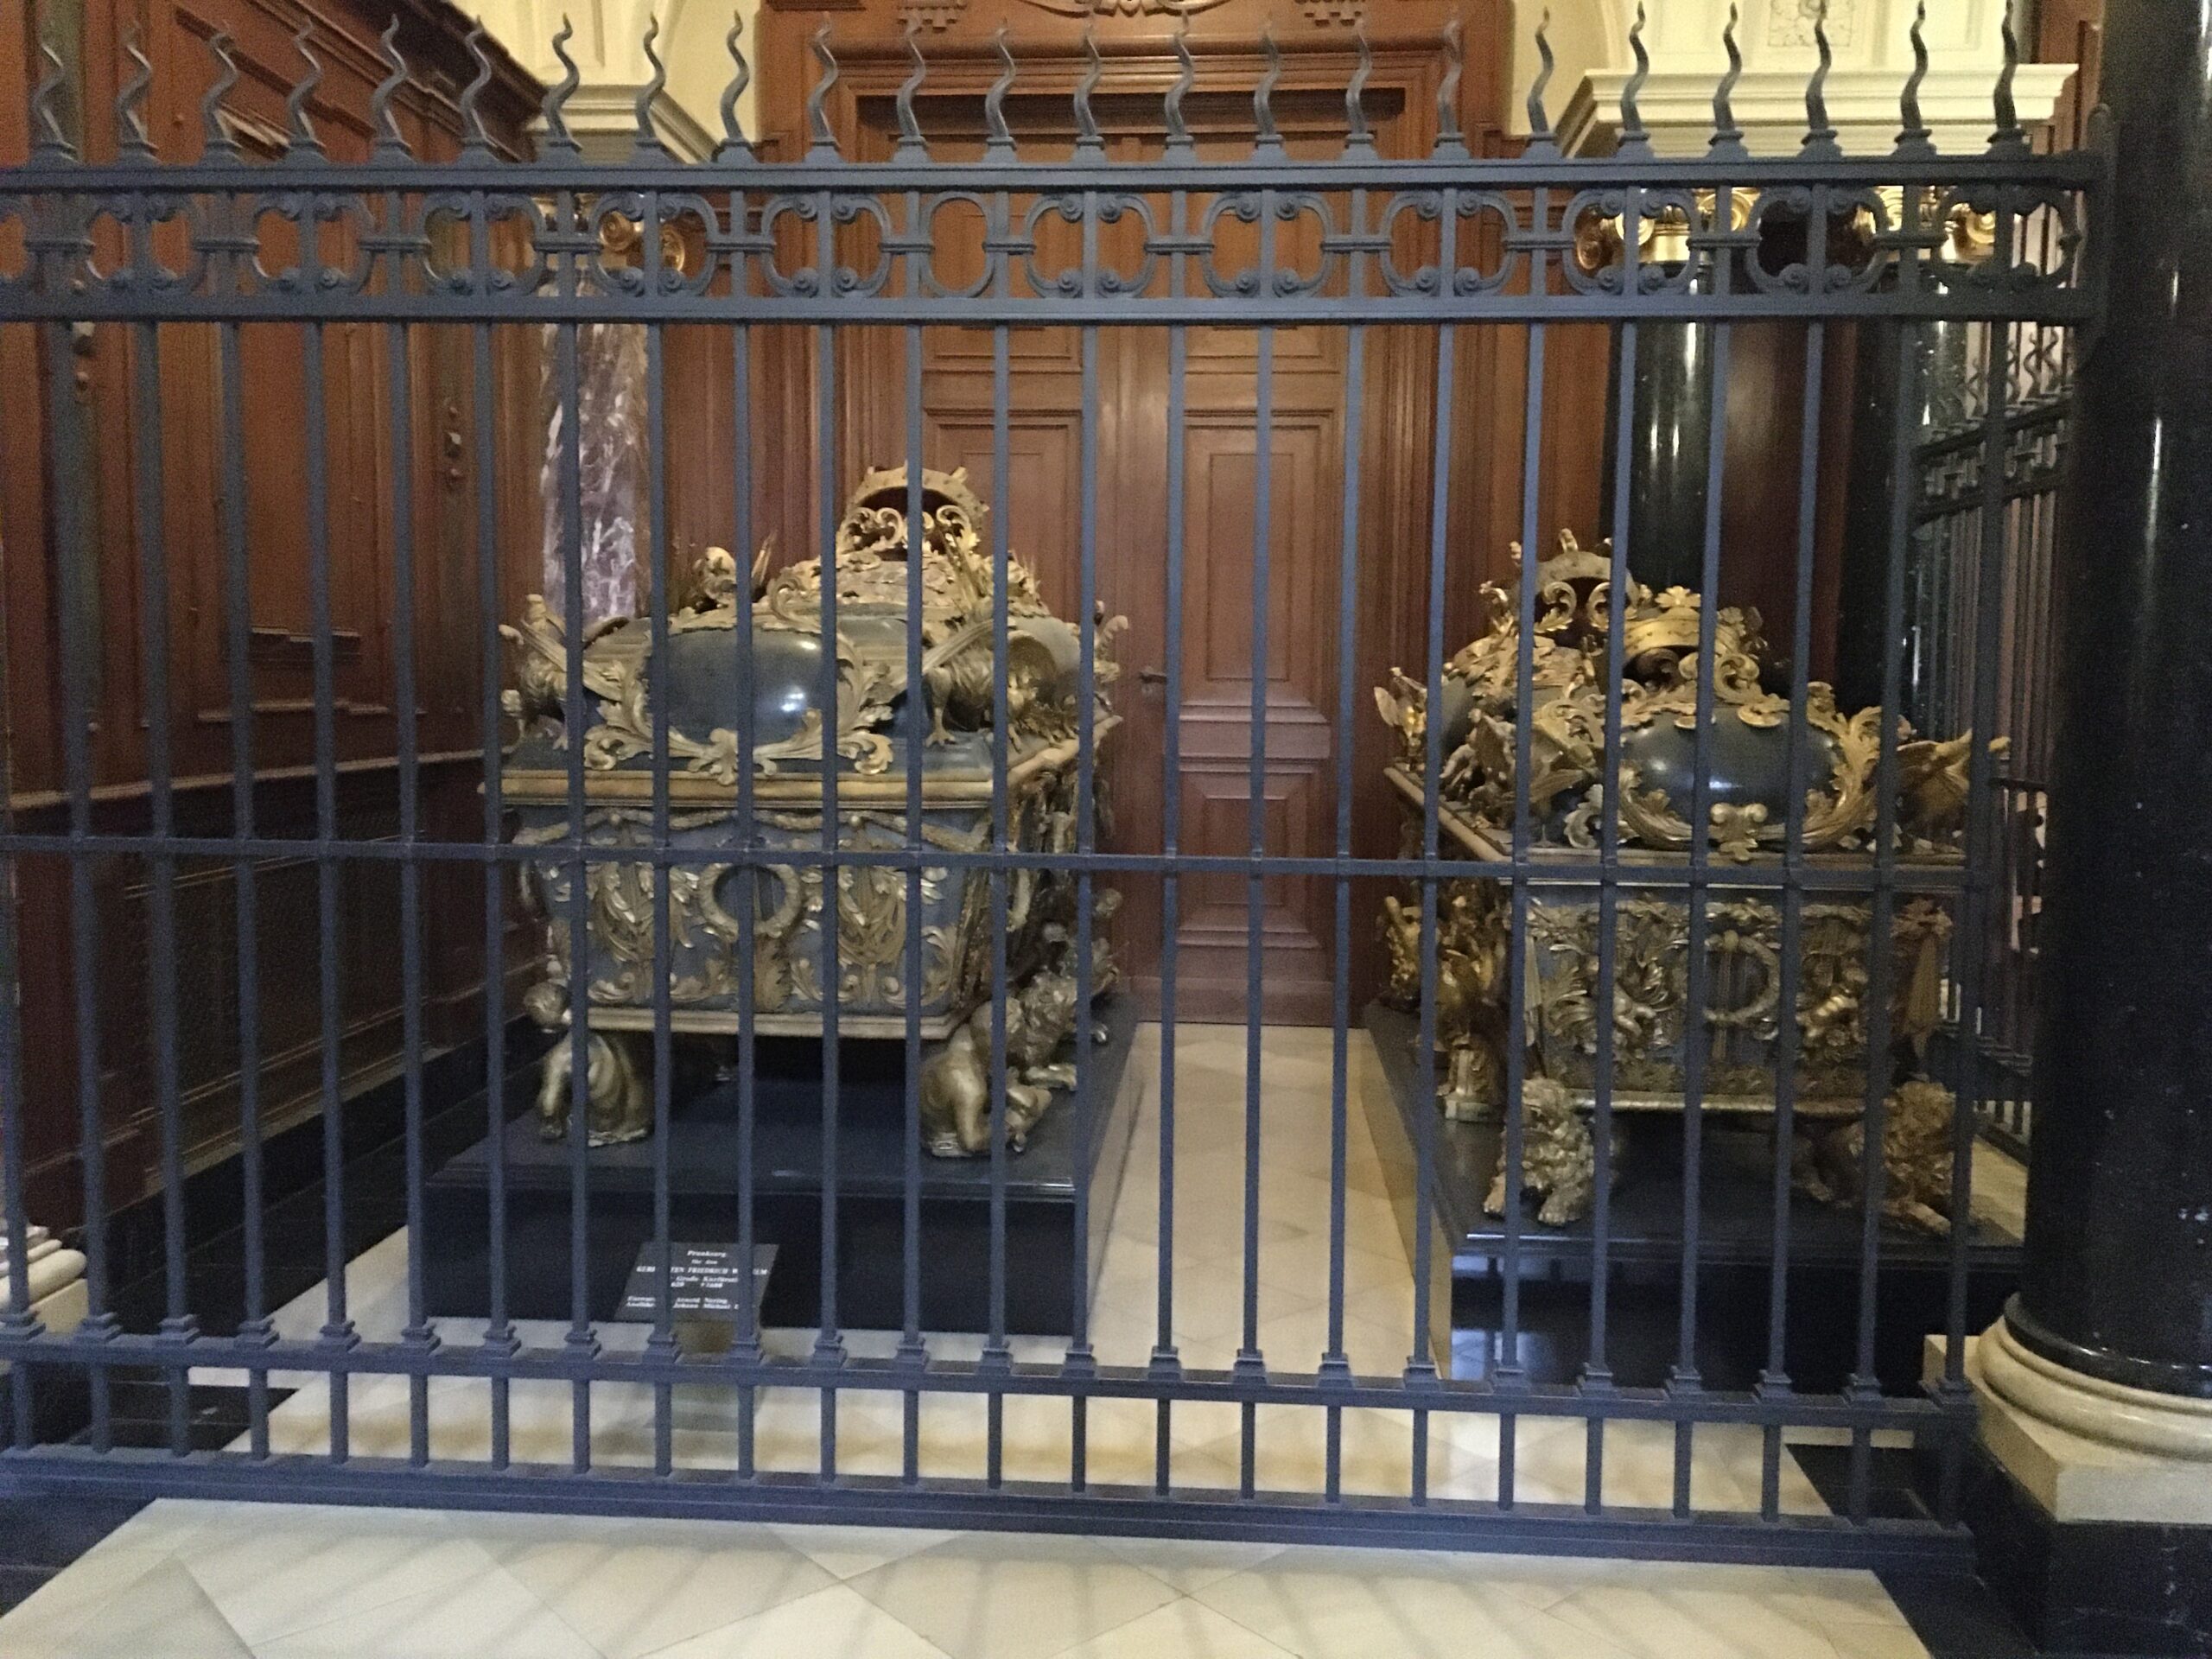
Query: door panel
[[1214, 633]]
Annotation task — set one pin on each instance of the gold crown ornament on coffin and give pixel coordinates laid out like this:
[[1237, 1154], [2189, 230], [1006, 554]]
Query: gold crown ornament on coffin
[[794, 732], [1654, 772]]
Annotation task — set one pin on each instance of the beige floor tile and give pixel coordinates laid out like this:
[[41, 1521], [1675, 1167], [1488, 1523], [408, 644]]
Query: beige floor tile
[[848, 1552], [1369, 1269], [1184, 1629], [1013, 1597], [275, 1571], [487, 1616], [1187, 1564], [1357, 1603], [43, 1621], [647, 1584], [1836, 1596], [831, 1623], [159, 1613], [1681, 1618], [1876, 1642]]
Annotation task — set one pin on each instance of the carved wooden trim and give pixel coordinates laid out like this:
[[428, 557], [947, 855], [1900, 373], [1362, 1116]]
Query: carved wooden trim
[[936, 15], [1124, 8]]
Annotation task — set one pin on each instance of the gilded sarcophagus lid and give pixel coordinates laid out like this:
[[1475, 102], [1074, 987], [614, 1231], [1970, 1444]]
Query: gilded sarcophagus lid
[[752, 682], [1747, 743]]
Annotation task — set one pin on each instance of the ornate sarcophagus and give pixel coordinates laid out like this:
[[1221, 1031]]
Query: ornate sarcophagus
[[1652, 1016], [788, 734]]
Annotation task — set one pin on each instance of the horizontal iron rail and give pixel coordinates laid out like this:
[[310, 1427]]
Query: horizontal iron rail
[[1482, 1396], [1049, 175], [1196, 1513], [2050, 305], [1932, 878]]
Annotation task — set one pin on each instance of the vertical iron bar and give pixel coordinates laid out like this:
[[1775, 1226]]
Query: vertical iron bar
[[1080, 1358], [1598, 1372], [179, 1325], [1249, 1361], [581, 1339], [1774, 1380], [661, 1343], [17, 1322], [406, 738], [76, 557], [1981, 840], [996, 1356], [829, 1345], [1863, 1384], [912, 1350], [338, 1332], [1167, 1364], [1510, 1373], [1683, 1382], [237, 598], [745, 1350], [1421, 1364], [499, 1334], [1336, 1364]]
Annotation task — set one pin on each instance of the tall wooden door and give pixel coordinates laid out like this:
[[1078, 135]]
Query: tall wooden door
[[1210, 637]]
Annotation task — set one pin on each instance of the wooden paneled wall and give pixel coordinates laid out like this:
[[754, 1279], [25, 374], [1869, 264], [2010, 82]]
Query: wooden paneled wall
[[359, 437]]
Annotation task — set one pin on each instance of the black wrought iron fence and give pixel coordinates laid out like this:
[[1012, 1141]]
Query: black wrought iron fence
[[1947, 571], [1661, 935]]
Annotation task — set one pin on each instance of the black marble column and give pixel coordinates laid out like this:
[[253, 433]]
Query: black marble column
[[1862, 598], [2119, 1274], [1670, 443]]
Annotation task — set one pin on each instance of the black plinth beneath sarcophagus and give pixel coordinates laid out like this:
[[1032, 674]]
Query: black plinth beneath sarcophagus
[[1644, 1253], [1041, 1185]]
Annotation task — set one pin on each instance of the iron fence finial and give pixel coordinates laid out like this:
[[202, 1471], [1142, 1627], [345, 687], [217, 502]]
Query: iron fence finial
[[389, 141], [301, 139], [132, 139], [1727, 136], [1819, 131], [910, 141], [215, 134], [999, 145], [648, 142], [1187, 77], [1450, 140], [2010, 138], [476, 138], [734, 143], [1268, 140], [1359, 138], [1914, 139], [1542, 140], [1634, 140], [558, 136], [52, 143], [1088, 141], [821, 137]]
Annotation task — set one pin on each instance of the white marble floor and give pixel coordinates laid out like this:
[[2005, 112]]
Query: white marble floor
[[221, 1580]]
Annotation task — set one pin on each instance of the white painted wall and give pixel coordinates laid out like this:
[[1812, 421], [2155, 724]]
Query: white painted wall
[[1873, 58], [609, 54]]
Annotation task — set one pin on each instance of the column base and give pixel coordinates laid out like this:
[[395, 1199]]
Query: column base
[[2090, 1502]]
